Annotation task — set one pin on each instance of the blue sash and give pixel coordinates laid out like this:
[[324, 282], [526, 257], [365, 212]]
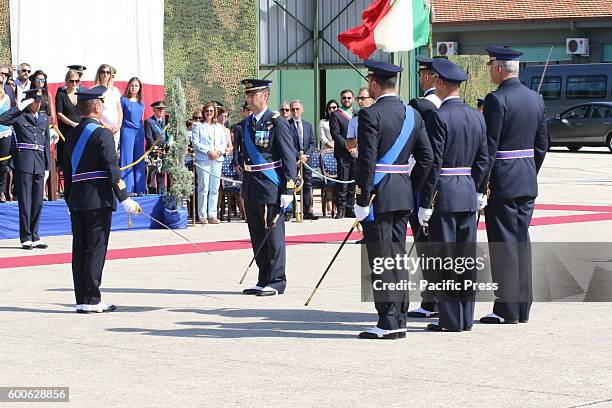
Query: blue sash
[[80, 145], [393, 153], [254, 154]]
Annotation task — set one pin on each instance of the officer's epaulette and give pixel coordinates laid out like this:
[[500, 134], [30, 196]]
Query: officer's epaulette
[[275, 116]]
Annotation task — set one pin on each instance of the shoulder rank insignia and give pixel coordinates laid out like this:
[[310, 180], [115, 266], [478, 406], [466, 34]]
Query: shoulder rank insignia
[[291, 183], [121, 184], [275, 114]]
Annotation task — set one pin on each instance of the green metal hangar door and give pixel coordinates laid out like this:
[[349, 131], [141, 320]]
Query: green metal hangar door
[[579, 30], [306, 64]]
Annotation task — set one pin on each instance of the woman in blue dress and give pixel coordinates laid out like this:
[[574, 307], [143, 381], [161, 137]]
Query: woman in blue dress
[[131, 143]]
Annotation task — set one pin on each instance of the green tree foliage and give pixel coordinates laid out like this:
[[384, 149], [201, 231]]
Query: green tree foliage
[[479, 83], [181, 179]]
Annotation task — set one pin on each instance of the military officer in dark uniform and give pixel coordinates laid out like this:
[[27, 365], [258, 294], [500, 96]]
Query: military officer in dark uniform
[[517, 141], [31, 157], [388, 133], [459, 141], [153, 127], [425, 105], [338, 128], [266, 152], [92, 180]]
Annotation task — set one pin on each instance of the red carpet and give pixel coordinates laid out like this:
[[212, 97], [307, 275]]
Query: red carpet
[[601, 213]]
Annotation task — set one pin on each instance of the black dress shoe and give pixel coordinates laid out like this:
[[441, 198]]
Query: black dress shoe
[[374, 336], [40, 245], [523, 321], [287, 217], [310, 216], [251, 291], [438, 328], [27, 246], [495, 320], [422, 315]]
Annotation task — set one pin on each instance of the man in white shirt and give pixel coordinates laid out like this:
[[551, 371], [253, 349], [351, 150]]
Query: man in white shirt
[[23, 80]]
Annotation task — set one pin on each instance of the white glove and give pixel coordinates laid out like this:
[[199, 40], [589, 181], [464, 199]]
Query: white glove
[[25, 103], [424, 215], [361, 212], [286, 200], [130, 206], [46, 175], [482, 200]]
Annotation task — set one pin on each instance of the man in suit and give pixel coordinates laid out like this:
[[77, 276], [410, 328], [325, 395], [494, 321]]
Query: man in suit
[[153, 128], [31, 158], [305, 144], [364, 100], [389, 133], [517, 140], [92, 180], [338, 128], [424, 105], [458, 137], [264, 148]]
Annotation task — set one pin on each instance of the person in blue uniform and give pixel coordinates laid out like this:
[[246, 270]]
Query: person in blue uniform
[[265, 150], [458, 137], [92, 180], [425, 105], [389, 133], [306, 143], [31, 158], [153, 127], [517, 141]]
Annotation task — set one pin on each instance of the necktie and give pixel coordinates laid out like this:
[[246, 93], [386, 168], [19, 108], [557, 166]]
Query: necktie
[[300, 131]]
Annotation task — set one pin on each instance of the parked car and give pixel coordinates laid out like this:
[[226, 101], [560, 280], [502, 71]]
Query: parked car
[[588, 124]]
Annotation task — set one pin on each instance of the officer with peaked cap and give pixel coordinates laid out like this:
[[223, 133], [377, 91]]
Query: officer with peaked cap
[[458, 137], [31, 158], [265, 151], [425, 105], [153, 128], [388, 133], [78, 68], [517, 142], [92, 180]]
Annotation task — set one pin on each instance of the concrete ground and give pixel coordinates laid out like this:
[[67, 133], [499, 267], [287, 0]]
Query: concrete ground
[[184, 336]]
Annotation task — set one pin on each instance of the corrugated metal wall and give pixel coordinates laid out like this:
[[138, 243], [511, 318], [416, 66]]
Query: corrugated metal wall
[[280, 34]]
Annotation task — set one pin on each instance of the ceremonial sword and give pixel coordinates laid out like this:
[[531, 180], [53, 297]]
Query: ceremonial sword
[[172, 230], [261, 244]]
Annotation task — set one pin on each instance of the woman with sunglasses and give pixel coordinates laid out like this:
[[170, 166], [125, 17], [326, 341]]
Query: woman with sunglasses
[[112, 115], [39, 80], [68, 115], [210, 143], [131, 144], [326, 140]]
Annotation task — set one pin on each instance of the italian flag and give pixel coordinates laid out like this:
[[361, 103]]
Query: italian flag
[[389, 25]]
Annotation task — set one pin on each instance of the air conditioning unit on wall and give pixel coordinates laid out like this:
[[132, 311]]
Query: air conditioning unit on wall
[[447, 48], [577, 46]]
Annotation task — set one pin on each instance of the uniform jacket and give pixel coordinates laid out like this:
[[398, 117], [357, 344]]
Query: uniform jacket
[[276, 142], [99, 154], [310, 143], [28, 129], [458, 138], [379, 127], [151, 132], [338, 128], [515, 121]]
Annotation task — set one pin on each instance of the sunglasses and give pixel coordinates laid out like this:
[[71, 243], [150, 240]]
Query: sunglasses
[[74, 81], [4, 73], [347, 98], [295, 109], [333, 107], [105, 72], [26, 70], [362, 98], [284, 110], [39, 80], [209, 111]]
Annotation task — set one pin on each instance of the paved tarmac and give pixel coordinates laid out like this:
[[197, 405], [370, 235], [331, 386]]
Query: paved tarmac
[[184, 336]]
